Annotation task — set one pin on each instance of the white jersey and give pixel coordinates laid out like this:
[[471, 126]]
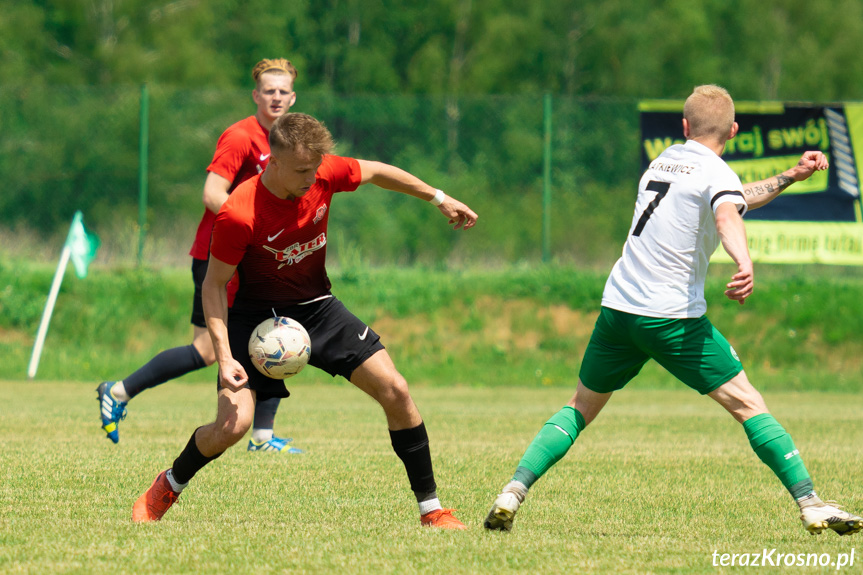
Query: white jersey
[[673, 234]]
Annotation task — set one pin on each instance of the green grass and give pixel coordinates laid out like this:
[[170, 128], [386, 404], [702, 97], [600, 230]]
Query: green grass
[[659, 482], [522, 325]]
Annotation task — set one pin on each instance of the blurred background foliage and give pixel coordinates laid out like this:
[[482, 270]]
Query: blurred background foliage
[[448, 89], [790, 49]]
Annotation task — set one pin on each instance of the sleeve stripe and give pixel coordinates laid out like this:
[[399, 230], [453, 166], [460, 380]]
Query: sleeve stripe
[[741, 209], [727, 193]]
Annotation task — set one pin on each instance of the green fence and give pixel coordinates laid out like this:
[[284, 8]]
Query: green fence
[[78, 148]]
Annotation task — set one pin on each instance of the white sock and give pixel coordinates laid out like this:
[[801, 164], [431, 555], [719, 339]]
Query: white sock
[[118, 392], [176, 487], [518, 488], [429, 506], [261, 435], [807, 499]]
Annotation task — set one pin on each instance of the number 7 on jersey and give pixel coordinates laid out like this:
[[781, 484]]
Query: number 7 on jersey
[[661, 188]]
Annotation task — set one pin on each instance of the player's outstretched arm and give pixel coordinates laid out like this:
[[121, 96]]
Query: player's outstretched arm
[[732, 233], [214, 296], [763, 192], [395, 179]]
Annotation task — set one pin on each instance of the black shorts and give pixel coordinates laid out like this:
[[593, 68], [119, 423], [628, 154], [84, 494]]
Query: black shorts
[[341, 342], [199, 272]]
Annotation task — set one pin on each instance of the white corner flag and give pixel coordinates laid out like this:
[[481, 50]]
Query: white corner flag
[[80, 247]]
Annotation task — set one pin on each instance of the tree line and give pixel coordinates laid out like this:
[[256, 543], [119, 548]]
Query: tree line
[[451, 90], [787, 50]]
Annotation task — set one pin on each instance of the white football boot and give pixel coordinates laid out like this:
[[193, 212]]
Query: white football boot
[[818, 515], [505, 506]]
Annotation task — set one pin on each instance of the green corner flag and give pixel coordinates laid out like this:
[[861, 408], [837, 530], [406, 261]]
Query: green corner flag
[[82, 245]]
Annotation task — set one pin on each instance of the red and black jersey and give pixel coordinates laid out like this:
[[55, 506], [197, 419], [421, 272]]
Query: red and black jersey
[[279, 246], [243, 151]]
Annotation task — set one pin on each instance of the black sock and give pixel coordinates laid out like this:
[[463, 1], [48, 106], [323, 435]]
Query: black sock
[[190, 461], [167, 365], [265, 413], [412, 447]]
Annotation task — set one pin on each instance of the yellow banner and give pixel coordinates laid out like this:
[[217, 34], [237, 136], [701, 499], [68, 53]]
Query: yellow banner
[[759, 169], [835, 243]]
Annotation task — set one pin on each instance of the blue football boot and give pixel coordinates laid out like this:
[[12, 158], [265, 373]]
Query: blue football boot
[[110, 409], [274, 444]]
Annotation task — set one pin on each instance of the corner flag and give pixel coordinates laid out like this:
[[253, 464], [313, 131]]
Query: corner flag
[[80, 247]]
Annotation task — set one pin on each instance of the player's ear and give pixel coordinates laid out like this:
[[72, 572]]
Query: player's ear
[[734, 128], [685, 128], [293, 99]]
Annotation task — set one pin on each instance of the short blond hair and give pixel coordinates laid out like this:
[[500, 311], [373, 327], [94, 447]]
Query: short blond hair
[[273, 66], [295, 132], [709, 110]]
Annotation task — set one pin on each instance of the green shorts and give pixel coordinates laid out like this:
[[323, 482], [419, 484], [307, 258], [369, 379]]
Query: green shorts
[[690, 348]]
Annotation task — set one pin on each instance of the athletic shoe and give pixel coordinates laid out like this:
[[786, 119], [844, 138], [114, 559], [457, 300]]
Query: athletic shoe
[[818, 515], [155, 501], [111, 410], [442, 518], [503, 512], [274, 444]]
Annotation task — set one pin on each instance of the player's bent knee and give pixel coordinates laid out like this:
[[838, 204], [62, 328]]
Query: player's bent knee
[[753, 405], [740, 399], [207, 354], [204, 346], [394, 391], [231, 431], [228, 437]]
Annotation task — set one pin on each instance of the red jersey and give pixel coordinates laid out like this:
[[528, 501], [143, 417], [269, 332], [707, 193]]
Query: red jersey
[[243, 151], [280, 246]]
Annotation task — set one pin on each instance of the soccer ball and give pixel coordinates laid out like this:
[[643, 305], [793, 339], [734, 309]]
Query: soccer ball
[[280, 347]]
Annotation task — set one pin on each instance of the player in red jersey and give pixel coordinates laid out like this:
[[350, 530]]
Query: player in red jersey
[[273, 232], [242, 152]]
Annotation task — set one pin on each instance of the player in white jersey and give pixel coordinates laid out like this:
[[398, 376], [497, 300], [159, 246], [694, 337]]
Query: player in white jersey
[[653, 307], [664, 263]]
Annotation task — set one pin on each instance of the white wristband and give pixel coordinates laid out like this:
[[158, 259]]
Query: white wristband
[[438, 198]]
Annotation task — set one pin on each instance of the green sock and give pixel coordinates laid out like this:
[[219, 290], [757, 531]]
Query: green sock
[[776, 449], [550, 445]]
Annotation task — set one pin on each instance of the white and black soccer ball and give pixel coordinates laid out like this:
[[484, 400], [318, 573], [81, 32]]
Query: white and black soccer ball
[[280, 347]]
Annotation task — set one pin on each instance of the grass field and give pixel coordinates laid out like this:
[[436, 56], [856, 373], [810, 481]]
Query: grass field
[[525, 326], [657, 484]]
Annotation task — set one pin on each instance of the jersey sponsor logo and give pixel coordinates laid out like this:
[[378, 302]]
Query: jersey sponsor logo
[[319, 214], [263, 157], [364, 334], [271, 238], [298, 251]]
